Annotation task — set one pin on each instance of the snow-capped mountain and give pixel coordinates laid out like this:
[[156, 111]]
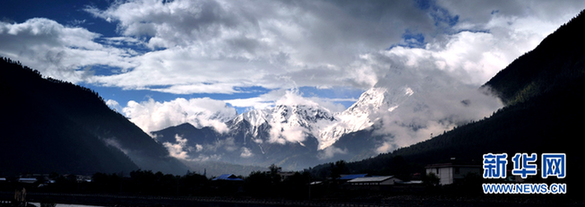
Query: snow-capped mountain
[[363, 113], [276, 134], [296, 123], [296, 136], [287, 123]]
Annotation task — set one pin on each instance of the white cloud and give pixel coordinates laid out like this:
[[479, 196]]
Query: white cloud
[[208, 46], [58, 51], [288, 97], [330, 152], [292, 97], [205, 158], [216, 45], [180, 149], [441, 95], [151, 115], [114, 105], [253, 103], [213, 46], [113, 142], [447, 71], [282, 133], [246, 152], [474, 14]]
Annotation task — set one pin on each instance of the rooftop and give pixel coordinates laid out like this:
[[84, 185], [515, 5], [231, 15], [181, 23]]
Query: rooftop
[[370, 179], [229, 177], [352, 176]]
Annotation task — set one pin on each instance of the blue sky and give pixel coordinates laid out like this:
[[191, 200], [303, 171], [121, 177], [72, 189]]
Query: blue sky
[[245, 55]]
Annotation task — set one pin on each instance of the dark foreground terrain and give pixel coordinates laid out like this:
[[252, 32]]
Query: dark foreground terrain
[[371, 200]]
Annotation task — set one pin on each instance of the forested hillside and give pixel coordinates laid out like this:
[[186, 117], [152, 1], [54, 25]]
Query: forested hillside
[[55, 126], [558, 59]]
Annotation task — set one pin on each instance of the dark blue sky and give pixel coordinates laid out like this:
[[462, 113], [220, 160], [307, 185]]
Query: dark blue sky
[[66, 12]]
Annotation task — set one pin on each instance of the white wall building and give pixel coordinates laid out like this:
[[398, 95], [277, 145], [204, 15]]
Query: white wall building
[[449, 173], [373, 183]]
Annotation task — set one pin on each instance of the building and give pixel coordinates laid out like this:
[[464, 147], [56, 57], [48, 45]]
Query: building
[[377, 180], [373, 183], [352, 176], [27, 180], [450, 173], [227, 184], [227, 177]]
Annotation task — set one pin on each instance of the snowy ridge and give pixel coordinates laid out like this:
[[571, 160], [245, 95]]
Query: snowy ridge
[[287, 123], [298, 132], [364, 113], [294, 123], [256, 118]]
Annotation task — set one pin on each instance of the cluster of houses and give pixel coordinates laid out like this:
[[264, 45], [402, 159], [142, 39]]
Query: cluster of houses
[[21, 180], [39, 180], [446, 174]]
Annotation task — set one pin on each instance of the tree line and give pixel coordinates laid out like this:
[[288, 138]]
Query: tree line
[[148, 183]]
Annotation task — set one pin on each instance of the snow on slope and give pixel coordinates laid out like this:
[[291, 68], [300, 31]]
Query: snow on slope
[[293, 123], [288, 123], [363, 113]]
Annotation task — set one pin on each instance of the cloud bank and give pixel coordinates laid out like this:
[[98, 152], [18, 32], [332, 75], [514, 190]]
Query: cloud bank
[[151, 115], [437, 48], [184, 47]]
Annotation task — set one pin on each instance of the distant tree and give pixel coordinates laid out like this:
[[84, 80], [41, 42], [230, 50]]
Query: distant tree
[[274, 176], [297, 185], [258, 183], [193, 184], [337, 169]]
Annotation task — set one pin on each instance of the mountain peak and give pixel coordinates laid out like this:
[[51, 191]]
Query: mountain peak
[[379, 98], [363, 113], [373, 97]]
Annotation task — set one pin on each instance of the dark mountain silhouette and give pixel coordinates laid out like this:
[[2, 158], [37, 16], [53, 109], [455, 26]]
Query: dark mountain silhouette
[[206, 135], [558, 59], [545, 94], [54, 126]]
